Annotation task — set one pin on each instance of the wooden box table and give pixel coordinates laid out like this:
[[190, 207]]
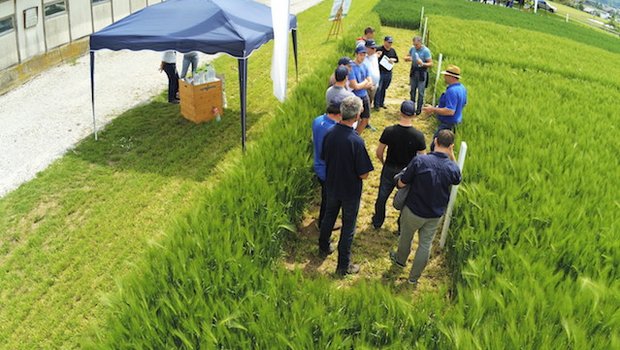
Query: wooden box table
[[199, 103]]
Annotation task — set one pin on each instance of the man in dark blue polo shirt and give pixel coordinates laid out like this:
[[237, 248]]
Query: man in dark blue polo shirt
[[348, 163], [449, 112], [429, 177]]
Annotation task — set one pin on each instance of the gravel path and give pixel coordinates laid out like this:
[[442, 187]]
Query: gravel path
[[48, 115]]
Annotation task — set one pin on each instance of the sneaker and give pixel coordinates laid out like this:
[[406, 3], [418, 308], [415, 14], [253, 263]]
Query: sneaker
[[384, 107], [394, 261], [329, 251], [174, 102], [376, 109], [372, 128], [350, 270]]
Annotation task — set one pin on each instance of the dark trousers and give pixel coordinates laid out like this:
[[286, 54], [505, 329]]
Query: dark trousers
[[173, 80], [386, 186], [323, 200], [418, 84], [442, 126], [350, 208], [384, 83]]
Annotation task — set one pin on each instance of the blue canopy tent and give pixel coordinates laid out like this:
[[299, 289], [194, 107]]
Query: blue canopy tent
[[234, 27]]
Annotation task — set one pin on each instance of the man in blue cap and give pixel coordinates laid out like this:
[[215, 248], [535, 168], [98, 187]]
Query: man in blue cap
[[388, 53], [360, 81]]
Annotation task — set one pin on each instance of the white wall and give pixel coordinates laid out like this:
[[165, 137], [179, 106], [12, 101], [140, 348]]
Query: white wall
[[8, 43], [79, 16], [57, 30], [121, 9], [151, 2], [137, 5], [102, 15], [31, 40]]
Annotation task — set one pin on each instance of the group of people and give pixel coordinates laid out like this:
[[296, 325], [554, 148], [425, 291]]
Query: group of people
[[169, 66], [342, 162]]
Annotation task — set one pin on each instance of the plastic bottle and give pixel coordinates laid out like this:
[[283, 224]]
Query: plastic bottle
[[210, 73]]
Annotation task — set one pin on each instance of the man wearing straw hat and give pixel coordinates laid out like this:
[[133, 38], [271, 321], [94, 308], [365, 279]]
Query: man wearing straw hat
[[449, 111]]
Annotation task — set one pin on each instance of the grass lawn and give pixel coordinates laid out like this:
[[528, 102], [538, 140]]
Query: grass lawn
[[70, 234]]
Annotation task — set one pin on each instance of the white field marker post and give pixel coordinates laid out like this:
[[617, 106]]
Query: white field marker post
[[421, 18], [535, 6], [567, 18], [437, 79], [425, 28], [455, 188]]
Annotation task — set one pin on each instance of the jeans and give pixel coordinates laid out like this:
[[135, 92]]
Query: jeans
[[418, 85], [323, 200], [409, 224], [350, 208], [386, 186], [442, 126], [384, 83], [189, 58], [173, 80]]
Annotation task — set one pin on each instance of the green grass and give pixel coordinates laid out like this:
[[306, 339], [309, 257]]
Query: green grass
[[69, 236], [394, 13]]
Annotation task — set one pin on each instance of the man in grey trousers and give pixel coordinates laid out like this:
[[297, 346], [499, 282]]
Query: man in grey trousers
[[430, 177]]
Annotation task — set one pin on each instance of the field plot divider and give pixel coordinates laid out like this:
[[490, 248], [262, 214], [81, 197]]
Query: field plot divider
[[437, 78], [455, 188], [421, 18], [425, 29]]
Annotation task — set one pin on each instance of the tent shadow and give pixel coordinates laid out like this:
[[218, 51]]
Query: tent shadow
[[155, 138]]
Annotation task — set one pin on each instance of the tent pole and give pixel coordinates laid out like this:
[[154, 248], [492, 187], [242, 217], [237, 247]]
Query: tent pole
[[92, 89], [294, 34], [243, 74]]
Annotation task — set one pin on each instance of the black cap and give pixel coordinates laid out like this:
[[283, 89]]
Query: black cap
[[388, 39]]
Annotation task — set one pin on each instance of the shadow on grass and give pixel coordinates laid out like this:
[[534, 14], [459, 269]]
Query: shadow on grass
[[155, 138]]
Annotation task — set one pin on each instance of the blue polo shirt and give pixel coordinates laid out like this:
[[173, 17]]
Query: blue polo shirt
[[320, 127], [455, 98], [359, 73], [345, 155], [424, 53], [430, 177]]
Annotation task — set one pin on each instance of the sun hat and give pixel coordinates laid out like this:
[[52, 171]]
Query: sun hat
[[452, 71]]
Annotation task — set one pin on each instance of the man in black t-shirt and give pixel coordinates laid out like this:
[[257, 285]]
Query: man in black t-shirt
[[348, 164], [403, 143], [386, 74]]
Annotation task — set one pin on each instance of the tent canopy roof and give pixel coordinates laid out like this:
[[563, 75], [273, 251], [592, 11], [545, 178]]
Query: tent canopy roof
[[209, 26]]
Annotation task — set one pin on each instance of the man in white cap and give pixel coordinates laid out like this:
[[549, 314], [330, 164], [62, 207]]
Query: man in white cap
[[449, 111]]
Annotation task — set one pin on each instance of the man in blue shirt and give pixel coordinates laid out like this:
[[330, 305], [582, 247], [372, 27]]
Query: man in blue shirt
[[429, 177], [359, 81], [321, 125], [421, 60], [348, 163], [449, 112]]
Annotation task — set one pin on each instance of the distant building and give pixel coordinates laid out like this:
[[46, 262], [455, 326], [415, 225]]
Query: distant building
[[32, 27]]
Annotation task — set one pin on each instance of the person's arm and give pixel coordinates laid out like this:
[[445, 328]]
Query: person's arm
[[451, 153], [395, 58], [380, 151], [444, 111], [428, 63], [357, 86]]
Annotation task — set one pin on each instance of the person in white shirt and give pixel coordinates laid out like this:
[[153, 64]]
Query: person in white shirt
[[372, 63], [169, 65]]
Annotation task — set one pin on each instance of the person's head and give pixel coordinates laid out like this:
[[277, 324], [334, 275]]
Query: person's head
[[407, 109], [371, 47], [417, 42], [333, 109], [350, 109], [369, 33], [340, 74], [387, 42], [360, 53], [345, 61], [444, 140], [452, 74]]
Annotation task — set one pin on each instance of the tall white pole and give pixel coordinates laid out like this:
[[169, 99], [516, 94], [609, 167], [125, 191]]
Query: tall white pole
[[425, 29], [437, 78], [455, 188], [421, 18], [567, 18], [535, 6]]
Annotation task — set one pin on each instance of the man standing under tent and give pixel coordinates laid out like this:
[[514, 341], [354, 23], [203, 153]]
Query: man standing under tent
[[348, 164], [403, 143], [421, 60], [430, 177], [385, 80], [451, 103], [189, 58], [169, 65], [359, 81]]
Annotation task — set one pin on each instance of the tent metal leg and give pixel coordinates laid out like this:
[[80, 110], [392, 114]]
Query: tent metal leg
[[243, 74], [92, 90]]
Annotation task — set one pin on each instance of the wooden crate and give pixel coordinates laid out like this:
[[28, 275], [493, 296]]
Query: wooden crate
[[198, 102]]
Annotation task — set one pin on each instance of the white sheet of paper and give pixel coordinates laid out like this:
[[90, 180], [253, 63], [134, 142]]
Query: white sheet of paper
[[385, 62]]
